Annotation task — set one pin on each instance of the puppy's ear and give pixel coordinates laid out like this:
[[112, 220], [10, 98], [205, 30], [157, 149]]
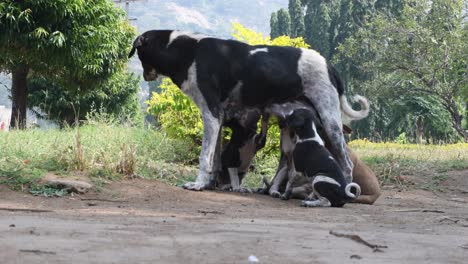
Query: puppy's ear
[[139, 41]]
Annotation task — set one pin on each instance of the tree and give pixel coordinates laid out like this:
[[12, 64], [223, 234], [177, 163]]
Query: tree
[[296, 12], [274, 25], [116, 98], [320, 21], [284, 23], [79, 42], [421, 52]]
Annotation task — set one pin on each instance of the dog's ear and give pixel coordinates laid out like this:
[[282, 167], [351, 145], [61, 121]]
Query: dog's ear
[[139, 41]]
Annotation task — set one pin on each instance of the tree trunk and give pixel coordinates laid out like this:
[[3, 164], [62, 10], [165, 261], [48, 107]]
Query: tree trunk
[[19, 95], [456, 118], [419, 130]]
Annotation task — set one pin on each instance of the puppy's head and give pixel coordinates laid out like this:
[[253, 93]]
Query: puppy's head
[[302, 122]]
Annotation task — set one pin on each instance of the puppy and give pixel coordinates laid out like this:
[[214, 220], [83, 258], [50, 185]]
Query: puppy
[[302, 188], [306, 156], [367, 180], [239, 152]]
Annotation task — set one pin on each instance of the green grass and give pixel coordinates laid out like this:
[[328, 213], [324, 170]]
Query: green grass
[[106, 152], [390, 161]]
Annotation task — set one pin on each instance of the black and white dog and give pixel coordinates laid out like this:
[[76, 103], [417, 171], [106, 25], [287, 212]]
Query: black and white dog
[[308, 158], [239, 152], [222, 75]]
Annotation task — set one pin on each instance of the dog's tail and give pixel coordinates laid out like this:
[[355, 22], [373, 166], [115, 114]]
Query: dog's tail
[[352, 114], [348, 190]]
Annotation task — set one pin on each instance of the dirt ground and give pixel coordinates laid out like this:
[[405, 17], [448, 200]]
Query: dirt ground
[[141, 221]]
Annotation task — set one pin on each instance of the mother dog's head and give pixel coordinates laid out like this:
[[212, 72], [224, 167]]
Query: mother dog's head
[[164, 51]]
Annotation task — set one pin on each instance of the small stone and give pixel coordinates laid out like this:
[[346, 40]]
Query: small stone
[[253, 259]]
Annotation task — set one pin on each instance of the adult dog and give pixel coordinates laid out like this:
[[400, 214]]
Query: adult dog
[[225, 76]]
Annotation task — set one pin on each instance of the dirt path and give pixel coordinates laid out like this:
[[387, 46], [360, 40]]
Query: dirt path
[[143, 221]]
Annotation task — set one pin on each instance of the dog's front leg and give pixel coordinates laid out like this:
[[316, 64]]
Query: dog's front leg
[[209, 153], [278, 181], [291, 177]]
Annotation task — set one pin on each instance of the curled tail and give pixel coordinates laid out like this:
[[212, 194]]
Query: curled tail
[[348, 190], [352, 114]]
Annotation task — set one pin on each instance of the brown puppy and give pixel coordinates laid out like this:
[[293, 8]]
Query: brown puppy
[[366, 178]]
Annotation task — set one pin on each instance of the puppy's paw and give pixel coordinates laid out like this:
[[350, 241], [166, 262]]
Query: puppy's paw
[[194, 186], [225, 187], [243, 190], [275, 194], [316, 203], [284, 196]]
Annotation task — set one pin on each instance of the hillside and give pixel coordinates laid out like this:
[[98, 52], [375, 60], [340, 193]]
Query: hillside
[[209, 17]]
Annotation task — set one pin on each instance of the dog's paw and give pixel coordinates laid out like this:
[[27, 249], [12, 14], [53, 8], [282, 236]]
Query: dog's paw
[[261, 190], [194, 186], [284, 196], [225, 187], [308, 203], [242, 190], [316, 203], [275, 194]]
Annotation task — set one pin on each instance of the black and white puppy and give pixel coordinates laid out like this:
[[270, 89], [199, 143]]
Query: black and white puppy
[[239, 152], [222, 75], [307, 156]]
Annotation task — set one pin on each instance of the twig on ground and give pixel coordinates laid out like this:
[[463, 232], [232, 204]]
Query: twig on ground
[[419, 210], [210, 212], [103, 200], [25, 210], [447, 218], [407, 210], [433, 211], [356, 238], [36, 251]]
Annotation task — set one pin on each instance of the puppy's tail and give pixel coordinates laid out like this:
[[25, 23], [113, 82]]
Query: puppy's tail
[[352, 114], [348, 190]]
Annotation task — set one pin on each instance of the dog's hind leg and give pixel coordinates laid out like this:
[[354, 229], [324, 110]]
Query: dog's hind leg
[[324, 98]]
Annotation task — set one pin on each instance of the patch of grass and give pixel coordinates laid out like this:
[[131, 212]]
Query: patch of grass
[[434, 183], [103, 151], [392, 161], [107, 152], [47, 191]]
